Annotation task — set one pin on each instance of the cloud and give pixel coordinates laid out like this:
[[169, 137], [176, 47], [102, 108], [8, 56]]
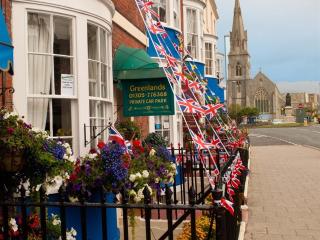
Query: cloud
[[301, 86]]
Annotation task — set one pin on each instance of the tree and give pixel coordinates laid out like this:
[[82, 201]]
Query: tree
[[237, 113]]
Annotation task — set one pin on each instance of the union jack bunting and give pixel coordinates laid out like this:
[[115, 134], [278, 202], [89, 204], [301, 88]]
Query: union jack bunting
[[211, 110], [227, 205], [189, 105], [147, 8], [195, 86], [181, 77], [198, 141], [172, 61], [155, 28], [171, 78], [160, 49], [114, 135]]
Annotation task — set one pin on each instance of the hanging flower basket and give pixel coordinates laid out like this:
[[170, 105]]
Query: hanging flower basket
[[11, 161]]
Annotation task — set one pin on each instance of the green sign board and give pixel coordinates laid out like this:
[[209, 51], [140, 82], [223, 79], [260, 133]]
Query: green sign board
[[150, 97]]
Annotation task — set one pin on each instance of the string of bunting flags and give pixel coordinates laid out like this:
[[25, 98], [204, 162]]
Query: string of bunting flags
[[189, 102]]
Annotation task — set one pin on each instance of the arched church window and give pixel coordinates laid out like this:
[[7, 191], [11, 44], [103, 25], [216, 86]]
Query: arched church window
[[238, 70], [262, 101]]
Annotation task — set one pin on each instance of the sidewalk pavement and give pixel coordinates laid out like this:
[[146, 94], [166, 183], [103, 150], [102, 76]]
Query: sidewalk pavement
[[284, 193]]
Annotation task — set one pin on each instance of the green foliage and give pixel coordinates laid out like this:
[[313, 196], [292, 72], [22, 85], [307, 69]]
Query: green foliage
[[129, 129], [155, 140], [237, 112]]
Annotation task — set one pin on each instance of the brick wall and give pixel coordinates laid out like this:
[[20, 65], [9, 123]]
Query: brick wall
[[120, 36], [6, 8], [129, 10]]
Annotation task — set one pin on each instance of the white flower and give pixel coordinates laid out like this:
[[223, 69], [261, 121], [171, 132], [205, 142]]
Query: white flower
[[65, 157], [69, 151], [71, 235], [54, 185], [132, 193], [72, 159], [137, 199], [13, 224], [132, 177], [140, 193], [38, 187], [92, 155], [56, 220], [145, 173], [73, 199], [138, 175], [9, 114], [152, 152], [157, 180]]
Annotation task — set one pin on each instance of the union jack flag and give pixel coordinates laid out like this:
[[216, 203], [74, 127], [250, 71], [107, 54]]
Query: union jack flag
[[227, 205], [195, 86], [147, 8], [155, 28], [181, 77], [160, 49], [189, 105], [211, 110], [172, 61], [115, 136], [198, 141]]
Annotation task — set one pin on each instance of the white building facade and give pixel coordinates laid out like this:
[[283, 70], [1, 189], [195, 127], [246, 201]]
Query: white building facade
[[63, 59]]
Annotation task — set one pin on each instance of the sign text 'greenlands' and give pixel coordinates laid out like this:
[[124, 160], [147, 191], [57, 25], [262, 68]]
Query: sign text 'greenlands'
[[147, 98]]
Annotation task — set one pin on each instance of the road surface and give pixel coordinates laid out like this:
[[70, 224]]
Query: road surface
[[305, 136]]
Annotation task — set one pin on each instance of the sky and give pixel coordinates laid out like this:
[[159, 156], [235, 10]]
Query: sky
[[283, 40]]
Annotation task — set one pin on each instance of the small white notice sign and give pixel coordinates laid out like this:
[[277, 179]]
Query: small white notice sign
[[67, 84]]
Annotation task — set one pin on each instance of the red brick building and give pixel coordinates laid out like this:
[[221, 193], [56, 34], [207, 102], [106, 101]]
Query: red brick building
[[128, 29]]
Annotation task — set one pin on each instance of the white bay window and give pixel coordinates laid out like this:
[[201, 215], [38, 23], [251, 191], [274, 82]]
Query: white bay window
[[51, 80], [100, 80]]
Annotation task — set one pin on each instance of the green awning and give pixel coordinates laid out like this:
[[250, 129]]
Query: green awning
[[135, 63]]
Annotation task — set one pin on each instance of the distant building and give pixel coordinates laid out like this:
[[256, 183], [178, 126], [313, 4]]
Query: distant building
[[304, 100], [259, 92]]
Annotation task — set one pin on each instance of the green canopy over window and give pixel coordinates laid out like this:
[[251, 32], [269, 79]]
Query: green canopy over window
[[135, 63]]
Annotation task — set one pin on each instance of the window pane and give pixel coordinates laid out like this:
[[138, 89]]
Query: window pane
[[61, 114], [38, 113], [61, 66], [103, 46], [39, 33], [92, 42], [104, 90], [92, 108], [40, 74], [62, 36], [93, 79]]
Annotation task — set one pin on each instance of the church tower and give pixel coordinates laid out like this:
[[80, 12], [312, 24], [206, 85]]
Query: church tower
[[239, 65]]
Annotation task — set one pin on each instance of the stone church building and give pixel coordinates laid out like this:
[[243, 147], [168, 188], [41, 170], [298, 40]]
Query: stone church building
[[259, 92]]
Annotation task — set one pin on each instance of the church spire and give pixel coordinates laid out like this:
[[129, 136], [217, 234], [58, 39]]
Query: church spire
[[238, 36]]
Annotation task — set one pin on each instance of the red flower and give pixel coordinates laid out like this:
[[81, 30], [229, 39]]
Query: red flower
[[10, 130], [73, 177], [34, 221], [101, 144]]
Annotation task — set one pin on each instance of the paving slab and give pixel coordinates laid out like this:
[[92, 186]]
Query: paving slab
[[284, 193]]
